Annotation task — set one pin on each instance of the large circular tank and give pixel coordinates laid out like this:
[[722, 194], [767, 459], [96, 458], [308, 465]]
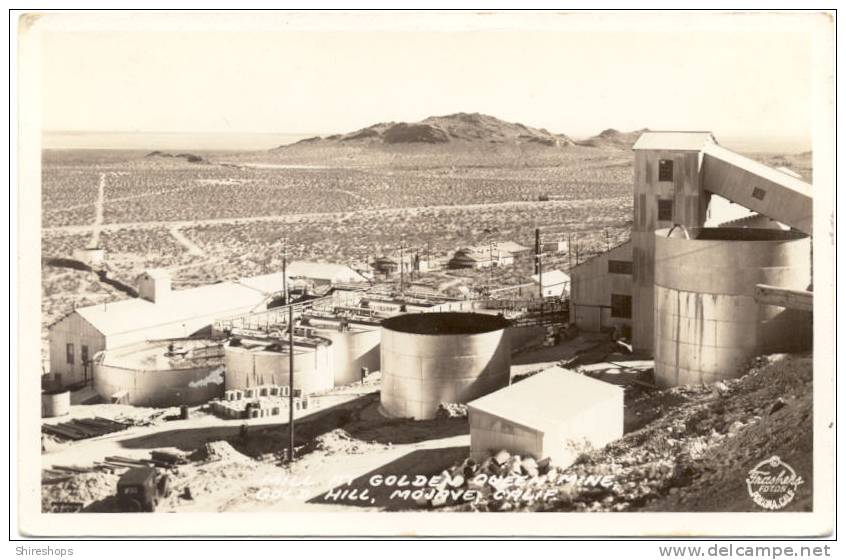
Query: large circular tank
[[707, 322], [251, 365], [430, 358], [355, 345], [161, 373]]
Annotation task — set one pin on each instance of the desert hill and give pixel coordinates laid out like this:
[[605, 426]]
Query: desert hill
[[611, 138], [456, 129]]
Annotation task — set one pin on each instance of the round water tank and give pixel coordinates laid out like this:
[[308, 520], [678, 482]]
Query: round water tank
[[55, 403], [707, 323], [251, 366], [355, 347], [430, 358]]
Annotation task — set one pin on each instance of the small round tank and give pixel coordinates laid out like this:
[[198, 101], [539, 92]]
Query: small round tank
[[55, 403], [355, 345], [253, 365], [707, 323], [430, 358]]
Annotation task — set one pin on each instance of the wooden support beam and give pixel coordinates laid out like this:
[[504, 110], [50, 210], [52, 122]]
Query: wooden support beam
[[784, 297]]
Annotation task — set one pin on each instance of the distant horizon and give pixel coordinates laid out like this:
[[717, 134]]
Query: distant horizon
[[253, 141]]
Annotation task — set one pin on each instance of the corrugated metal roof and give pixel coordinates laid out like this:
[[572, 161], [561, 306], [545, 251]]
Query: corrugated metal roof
[[512, 247], [265, 283], [674, 140], [552, 278], [214, 300], [323, 271], [546, 399]]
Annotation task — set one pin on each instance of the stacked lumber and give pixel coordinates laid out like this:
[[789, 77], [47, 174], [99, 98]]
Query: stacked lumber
[[78, 429]]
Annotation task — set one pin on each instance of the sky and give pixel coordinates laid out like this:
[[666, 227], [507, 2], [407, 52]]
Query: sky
[[736, 80]]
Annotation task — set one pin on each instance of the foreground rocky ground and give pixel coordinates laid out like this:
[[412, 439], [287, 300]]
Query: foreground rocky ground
[[685, 449], [693, 452]]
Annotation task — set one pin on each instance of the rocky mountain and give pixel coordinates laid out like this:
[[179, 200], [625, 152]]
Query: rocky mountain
[[611, 138], [472, 128]]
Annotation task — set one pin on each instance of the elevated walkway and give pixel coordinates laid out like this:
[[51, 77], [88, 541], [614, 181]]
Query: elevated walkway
[[767, 191]]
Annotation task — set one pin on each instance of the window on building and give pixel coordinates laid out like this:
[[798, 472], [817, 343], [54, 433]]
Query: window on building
[[759, 193], [619, 267], [665, 170], [83, 354], [69, 352], [665, 210], [621, 306]]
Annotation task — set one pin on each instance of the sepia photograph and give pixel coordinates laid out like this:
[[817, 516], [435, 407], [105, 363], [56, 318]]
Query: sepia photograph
[[500, 273]]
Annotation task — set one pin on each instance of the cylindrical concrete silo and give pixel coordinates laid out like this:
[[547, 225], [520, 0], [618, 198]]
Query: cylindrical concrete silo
[[430, 358], [707, 322], [253, 365]]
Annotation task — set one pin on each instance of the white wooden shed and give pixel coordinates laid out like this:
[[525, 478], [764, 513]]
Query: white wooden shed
[[556, 413]]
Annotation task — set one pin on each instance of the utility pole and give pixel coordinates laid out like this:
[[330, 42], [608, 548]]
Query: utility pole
[[291, 383], [570, 250], [577, 252], [607, 241], [493, 245], [402, 267], [537, 248], [539, 265], [285, 270]]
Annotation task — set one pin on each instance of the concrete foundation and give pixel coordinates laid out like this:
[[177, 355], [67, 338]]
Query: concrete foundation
[[707, 323], [430, 358]]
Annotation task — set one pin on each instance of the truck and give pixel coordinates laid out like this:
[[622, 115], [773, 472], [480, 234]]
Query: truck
[[141, 488]]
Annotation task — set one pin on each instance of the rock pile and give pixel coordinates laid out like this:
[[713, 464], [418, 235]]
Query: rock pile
[[674, 460], [451, 410]]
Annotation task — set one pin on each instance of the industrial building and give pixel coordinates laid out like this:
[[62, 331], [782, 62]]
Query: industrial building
[[555, 283], [433, 358], [556, 414], [480, 257], [677, 176], [159, 313], [318, 274]]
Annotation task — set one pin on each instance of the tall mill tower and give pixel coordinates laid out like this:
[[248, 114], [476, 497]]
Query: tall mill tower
[[668, 190]]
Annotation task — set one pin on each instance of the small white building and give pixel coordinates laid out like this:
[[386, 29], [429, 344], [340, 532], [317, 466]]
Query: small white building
[[321, 274], [557, 413], [555, 283]]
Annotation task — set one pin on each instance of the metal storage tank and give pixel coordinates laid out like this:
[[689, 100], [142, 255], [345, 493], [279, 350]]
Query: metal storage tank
[[251, 365], [161, 373], [355, 345], [55, 403], [430, 358], [707, 322]]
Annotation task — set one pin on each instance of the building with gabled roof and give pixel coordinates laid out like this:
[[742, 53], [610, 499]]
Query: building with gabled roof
[[556, 413], [682, 181], [159, 313], [555, 283]]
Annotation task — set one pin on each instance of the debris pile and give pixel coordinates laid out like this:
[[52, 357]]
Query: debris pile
[[451, 410], [82, 489], [78, 429], [339, 441], [222, 451], [700, 438]]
